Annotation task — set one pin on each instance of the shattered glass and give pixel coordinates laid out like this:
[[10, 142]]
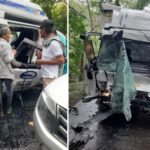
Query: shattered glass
[[113, 58]]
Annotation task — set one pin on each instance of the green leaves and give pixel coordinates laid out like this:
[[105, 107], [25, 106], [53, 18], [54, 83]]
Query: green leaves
[[57, 11], [76, 27], [59, 16]]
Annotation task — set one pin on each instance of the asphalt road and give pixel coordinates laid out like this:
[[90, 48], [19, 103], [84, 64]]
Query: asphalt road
[[91, 129], [16, 133]]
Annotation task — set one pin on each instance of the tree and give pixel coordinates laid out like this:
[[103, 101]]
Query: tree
[[55, 10], [84, 16], [46, 6], [59, 16], [141, 4], [90, 15], [117, 3], [76, 27]]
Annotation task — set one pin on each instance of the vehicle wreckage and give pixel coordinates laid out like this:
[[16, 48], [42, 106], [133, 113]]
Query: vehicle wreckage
[[118, 78]]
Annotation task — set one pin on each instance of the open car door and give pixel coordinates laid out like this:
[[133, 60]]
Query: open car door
[[90, 66]]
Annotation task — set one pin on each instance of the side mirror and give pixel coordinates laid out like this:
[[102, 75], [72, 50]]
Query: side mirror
[[89, 50]]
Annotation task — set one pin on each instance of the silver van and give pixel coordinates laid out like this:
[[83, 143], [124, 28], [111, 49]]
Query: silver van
[[50, 115]]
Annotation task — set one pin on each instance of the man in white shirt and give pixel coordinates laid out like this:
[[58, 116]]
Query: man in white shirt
[[52, 53]]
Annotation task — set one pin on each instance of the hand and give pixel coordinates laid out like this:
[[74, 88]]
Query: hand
[[33, 60], [38, 54], [14, 52], [39, 62]]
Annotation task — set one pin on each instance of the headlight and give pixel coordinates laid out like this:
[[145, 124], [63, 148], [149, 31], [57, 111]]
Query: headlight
[[54, 117], [49, 103], [47, 114]]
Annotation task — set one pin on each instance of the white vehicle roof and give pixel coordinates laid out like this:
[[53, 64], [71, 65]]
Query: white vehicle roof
[[134, 23], [23, 10]]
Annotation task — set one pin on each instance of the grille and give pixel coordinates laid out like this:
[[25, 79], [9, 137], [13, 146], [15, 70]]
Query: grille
[[62, 123]]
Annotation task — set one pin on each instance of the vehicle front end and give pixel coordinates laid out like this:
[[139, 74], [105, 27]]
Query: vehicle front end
[[50, 115], [121, 76]]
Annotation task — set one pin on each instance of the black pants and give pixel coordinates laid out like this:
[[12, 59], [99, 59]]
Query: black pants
[[9, 89]]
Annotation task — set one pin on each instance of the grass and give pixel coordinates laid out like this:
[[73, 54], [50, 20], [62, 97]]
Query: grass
[[76, 91]]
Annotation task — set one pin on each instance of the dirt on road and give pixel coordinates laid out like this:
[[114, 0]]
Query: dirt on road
[[16, 133]]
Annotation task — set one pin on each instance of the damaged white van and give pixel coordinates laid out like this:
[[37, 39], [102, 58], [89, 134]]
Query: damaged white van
[[24, 19], [119, 75]]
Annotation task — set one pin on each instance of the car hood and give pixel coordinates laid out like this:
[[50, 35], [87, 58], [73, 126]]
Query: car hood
[[58, 91]]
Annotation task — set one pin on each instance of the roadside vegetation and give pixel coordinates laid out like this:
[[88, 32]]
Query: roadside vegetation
[[57, 11]]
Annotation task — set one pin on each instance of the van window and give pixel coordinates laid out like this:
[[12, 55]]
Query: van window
[[14, 38], [138, 52], [25, 52], [20, 33]]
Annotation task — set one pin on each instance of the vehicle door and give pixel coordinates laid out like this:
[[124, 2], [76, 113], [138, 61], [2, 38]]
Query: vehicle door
[[91, 42], [25, 78]]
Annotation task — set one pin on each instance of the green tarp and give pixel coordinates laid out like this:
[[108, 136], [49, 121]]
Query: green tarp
[[113, 58]]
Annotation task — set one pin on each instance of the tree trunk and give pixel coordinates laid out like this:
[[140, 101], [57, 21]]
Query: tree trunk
[[90, 15], [81, 67]]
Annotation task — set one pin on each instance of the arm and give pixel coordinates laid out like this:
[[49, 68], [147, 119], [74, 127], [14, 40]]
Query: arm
[[8, 53], [55, 61], [56, 51], [16, 64]]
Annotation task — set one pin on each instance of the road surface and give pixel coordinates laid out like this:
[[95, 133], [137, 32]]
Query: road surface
[[16, 133], [91, 129]]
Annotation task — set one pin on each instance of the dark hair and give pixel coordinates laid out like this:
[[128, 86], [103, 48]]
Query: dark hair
[[48, 25], [3, 30]]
